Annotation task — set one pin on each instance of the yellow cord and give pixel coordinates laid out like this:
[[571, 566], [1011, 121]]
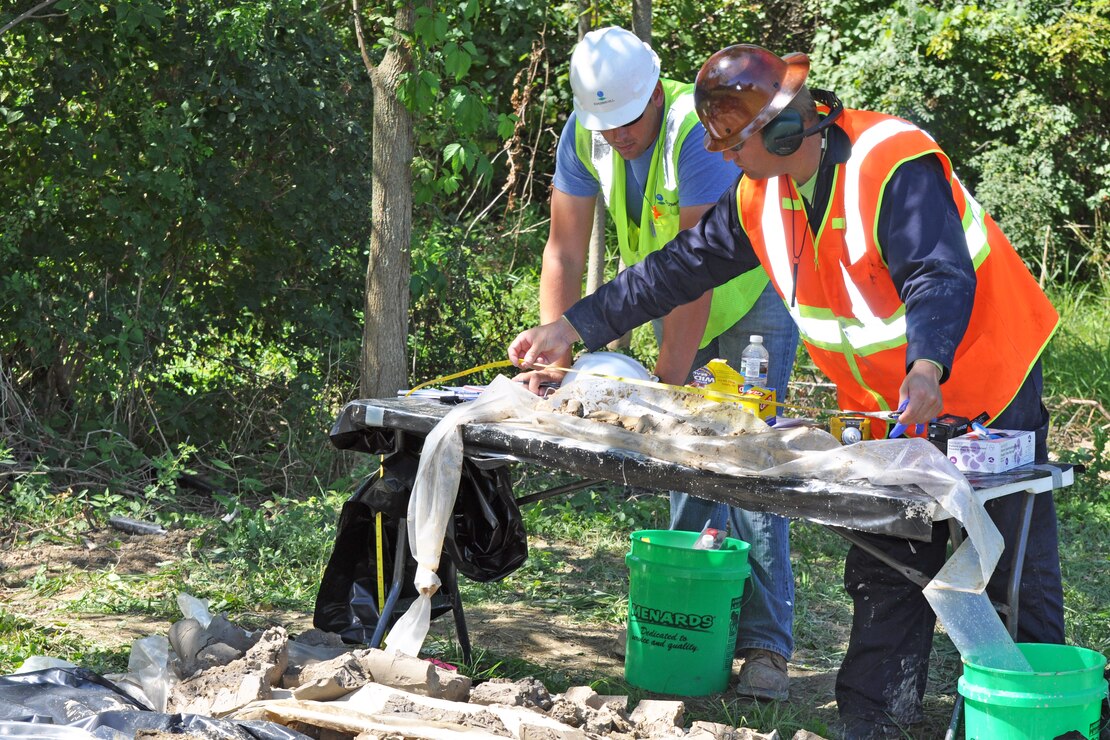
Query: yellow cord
[[378, 538], [471, 371]]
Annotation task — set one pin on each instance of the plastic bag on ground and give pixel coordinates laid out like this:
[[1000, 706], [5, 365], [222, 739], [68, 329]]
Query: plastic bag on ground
[[150, 665], [193, 608], [42, 662], [61, 704]]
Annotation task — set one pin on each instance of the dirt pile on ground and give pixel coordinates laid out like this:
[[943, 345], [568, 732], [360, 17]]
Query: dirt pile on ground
[[315, 685]]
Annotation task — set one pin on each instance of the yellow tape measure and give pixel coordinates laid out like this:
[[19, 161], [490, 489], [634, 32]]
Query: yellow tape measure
[[471, 371]]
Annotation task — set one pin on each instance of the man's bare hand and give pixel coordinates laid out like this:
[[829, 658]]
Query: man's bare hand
[[543, 345], [921, 389], [538, 381]]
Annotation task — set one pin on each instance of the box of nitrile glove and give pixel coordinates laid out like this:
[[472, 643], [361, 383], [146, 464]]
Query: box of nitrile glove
[[1002, 450]]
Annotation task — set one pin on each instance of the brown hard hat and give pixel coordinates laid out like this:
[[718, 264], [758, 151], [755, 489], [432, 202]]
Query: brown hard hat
[[740, 89]]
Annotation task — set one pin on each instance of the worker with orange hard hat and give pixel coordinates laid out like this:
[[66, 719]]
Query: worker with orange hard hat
[[906, 294]]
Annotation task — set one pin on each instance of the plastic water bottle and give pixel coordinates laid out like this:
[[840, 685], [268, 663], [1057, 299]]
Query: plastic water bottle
[[753, 363], [710, 538]]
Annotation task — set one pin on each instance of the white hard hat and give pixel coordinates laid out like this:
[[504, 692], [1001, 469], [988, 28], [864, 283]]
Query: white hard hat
[[611, 364], [612, 76]]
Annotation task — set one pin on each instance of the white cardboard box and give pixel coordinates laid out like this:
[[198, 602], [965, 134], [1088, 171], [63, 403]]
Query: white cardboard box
[[972, 453]]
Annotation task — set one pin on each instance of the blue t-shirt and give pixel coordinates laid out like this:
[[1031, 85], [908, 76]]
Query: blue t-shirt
[[702, 175]]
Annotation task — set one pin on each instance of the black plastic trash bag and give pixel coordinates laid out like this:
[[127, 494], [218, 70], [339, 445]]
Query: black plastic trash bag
[[60, 696], [347, 601], [485, 540], [485, 536]]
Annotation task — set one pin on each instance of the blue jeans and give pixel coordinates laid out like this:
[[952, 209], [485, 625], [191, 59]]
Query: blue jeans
[[767, 614]]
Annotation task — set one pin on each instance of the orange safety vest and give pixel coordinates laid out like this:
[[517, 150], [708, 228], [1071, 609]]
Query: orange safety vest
[[847, 309]]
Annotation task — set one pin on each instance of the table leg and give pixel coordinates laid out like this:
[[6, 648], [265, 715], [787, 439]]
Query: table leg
[[560, 490], [1013, 589], [449, 574], [912, 574]]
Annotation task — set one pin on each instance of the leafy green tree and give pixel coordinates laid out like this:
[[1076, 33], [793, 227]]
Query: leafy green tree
[[418, 68], [1014, 92], [387, 272], [183, 203]]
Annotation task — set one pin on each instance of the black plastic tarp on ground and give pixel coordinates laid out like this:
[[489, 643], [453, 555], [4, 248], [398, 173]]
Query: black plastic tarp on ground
[[34, 703]]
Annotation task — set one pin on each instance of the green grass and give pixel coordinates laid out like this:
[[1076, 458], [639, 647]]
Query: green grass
[[262, 560], [21, 638], [578, 573]]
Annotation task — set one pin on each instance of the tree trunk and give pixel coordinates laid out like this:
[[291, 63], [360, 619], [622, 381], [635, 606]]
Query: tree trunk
[[383, 366], [641, 26], [641, 19], [595, 272], [595, 269]]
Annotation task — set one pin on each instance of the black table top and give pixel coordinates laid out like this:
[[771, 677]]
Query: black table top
[[373, 425]]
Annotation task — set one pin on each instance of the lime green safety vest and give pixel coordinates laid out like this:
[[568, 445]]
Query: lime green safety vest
[[659, 219]]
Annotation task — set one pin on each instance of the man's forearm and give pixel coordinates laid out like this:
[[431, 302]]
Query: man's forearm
[[559, 290], [710, 254]]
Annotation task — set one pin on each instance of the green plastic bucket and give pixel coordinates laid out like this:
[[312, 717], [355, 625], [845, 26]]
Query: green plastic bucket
[[1063, 694], [683, 612]]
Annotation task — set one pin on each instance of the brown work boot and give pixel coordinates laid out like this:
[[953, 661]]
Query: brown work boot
[[763, 676]]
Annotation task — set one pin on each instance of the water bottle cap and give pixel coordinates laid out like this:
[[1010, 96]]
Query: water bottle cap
[[756, 339]]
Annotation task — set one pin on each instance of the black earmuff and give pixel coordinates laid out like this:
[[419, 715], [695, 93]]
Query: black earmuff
[[786, 131], [784, 134]]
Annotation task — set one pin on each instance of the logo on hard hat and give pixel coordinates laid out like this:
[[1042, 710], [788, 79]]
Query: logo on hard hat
[[602, 99]]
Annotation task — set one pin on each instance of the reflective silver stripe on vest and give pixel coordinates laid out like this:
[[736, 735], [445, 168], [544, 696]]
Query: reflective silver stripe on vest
[[976, 227], [681, 107], [871, 329], [601, 157], [774, 232], [855, 238], [862, 331], [601, 154]]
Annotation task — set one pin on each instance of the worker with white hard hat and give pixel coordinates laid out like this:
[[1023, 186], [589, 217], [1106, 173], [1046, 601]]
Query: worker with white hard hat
[[635, 138]]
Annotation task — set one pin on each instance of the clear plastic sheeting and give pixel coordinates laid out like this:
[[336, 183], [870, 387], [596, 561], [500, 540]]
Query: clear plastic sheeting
[[433, 499], [43, 732], [688, 429], [149, 667], [958, 592], [723, 438]]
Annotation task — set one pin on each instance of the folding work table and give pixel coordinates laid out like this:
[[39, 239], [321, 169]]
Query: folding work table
[[381, 426]]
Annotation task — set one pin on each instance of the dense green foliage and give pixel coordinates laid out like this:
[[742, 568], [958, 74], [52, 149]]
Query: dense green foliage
[[184, 206], [1014, 92]]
